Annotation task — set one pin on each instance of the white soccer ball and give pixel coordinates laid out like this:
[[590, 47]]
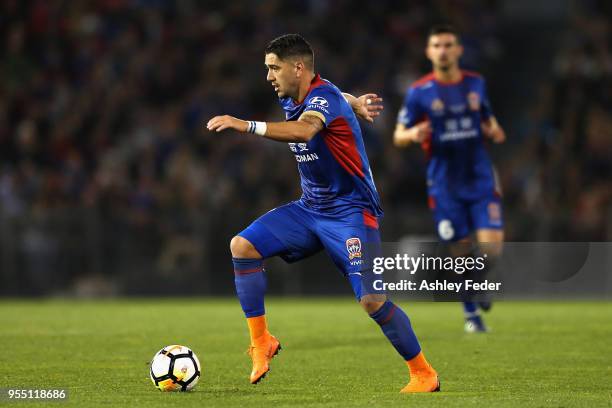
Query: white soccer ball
[[175, 368]]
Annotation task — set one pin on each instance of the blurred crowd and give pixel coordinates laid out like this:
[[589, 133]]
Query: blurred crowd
[[103, 150], [558, 170]]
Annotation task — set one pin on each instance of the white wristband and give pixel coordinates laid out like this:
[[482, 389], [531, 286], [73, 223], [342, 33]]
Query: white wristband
[[259, 128]]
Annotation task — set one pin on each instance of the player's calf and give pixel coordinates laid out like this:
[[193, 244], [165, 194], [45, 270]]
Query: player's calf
[[396, 326], [250, 280]]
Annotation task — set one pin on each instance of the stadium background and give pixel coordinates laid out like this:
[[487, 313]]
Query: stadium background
[[110, 185]]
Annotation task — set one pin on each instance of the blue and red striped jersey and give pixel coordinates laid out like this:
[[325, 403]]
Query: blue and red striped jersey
[[458, 160], [334, 169]]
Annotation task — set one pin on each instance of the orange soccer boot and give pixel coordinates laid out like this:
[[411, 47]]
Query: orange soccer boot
[[261, 352], [423, 378], [263, 347]]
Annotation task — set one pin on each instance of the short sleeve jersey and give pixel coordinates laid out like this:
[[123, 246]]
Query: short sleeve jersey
[[335, 173], [459, 164]]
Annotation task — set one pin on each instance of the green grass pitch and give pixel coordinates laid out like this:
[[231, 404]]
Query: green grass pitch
[[538, 354]]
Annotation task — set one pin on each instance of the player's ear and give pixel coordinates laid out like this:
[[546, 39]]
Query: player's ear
[[459, 50], [299, 68]]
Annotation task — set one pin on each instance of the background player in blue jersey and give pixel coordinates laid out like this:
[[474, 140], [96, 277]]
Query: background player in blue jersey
[[338, 210], [449, 113]]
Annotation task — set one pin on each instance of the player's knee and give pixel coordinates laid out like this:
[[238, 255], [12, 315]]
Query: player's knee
[[371, 303], [491, 242], [242, 248]]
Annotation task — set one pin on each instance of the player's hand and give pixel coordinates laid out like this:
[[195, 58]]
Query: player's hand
[[420, 132], [494, 132], [219, 123], [368, 106], [403, 137]]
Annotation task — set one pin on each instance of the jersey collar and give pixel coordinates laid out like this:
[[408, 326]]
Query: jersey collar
[[316, 81], [447, 83]]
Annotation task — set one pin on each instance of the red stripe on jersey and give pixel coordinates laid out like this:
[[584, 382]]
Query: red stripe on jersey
[[426, 146], [340, 140], [369, 220], [431, 77], [471, 73], [423, 80], [316, 81]]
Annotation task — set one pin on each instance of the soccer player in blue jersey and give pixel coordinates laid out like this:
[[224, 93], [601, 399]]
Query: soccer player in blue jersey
[[338, 210], [449, 114]]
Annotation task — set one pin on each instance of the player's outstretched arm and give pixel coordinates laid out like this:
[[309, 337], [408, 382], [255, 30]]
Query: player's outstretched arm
[[404, 136], [493, 130], [301, 130], [366, 106]]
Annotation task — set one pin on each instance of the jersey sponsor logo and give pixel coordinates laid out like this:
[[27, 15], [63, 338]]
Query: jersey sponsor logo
[[318, 100], [451, 125], [458, 135], [316, 108], [457, 109], [301, 158], [298, 149], [466, 122], [457, 129], [473, 101], [437, 106], [353, 246]]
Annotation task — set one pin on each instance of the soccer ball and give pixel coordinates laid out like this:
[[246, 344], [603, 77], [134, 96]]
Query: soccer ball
[[175, 368]]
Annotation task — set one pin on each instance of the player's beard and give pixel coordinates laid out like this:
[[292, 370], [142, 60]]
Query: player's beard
[[444, 66]]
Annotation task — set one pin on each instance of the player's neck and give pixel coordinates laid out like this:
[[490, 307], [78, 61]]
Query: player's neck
[[450, 75], [305, 86]]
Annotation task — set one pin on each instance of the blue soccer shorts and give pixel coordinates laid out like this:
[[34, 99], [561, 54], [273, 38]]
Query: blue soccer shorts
[[294, 232], [456, 218]]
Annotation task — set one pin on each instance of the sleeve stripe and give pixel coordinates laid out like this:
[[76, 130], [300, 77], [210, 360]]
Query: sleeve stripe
[[316, 114]]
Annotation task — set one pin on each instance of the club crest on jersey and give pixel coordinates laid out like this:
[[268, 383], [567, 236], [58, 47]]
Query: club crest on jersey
[[353, 246], [473, 101], [318, 100], [437, 106]]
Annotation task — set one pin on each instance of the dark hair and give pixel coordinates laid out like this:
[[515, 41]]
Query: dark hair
[[291, 45], [444, 29]]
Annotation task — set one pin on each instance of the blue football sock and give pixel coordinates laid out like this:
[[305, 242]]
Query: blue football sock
[[250, 280], [396, 326], [470, 309]]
